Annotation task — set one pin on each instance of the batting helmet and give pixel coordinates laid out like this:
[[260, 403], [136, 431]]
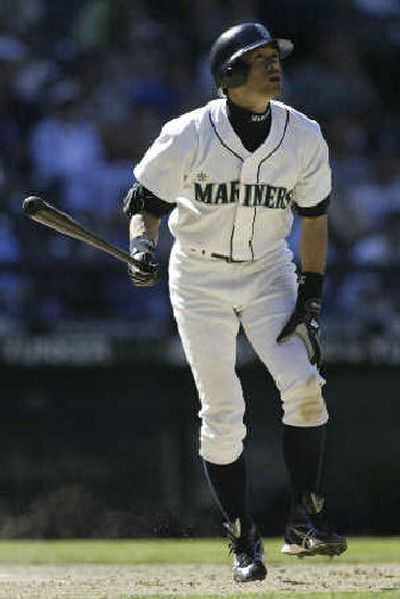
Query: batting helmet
[[228, 66]]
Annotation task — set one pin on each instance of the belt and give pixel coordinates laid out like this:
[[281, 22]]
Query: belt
[[206, 254], [226, 258]]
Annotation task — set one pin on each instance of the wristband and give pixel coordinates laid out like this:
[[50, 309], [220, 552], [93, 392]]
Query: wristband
[[310, 286]]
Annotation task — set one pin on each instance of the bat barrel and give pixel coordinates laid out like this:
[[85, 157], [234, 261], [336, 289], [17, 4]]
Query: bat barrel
[[46, 214], [33, 204]]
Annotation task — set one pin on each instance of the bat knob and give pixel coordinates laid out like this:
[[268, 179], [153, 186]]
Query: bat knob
[[32, 204]]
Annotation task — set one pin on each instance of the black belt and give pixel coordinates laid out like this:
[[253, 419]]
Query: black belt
[[227, 258]]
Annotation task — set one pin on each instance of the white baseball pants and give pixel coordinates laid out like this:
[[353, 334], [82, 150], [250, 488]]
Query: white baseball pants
[[210, 299]]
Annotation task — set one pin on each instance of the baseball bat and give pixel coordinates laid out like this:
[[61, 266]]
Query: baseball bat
[[46, 214]]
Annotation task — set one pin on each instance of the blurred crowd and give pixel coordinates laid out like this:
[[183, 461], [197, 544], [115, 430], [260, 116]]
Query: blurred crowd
[[85, 86]]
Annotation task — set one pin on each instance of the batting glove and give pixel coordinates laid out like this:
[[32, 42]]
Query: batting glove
[[146, 272], [304, 321]]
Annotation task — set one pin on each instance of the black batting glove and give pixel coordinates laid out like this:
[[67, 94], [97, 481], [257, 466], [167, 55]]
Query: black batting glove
[[146, 272], [304, 320]]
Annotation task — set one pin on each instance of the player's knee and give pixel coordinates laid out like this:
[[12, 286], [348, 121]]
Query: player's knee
[[218, 454], [303, 404], [221, 446]]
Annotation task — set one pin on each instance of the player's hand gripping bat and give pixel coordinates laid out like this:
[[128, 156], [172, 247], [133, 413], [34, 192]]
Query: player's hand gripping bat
[[46, 214]]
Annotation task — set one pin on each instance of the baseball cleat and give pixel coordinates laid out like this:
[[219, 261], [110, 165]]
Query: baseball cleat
[[247, 547], [308, 531], [304, 541]]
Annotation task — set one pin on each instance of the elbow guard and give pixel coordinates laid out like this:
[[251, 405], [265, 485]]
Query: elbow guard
[[139, 199]]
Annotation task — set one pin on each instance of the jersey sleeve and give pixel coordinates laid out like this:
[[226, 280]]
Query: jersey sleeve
[[166, 163], [314, 184]]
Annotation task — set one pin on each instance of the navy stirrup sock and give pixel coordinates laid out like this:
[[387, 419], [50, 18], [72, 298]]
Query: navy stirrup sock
[[303, 451], [229, 486]]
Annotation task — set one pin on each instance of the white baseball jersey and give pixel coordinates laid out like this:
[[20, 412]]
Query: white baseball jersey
[[231, 201]]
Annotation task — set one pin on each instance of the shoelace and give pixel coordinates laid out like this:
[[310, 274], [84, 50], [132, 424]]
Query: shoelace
[[310, 534], [314, 532]]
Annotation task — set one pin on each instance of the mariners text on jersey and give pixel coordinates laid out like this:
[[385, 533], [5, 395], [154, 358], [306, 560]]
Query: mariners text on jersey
[[250, 195]]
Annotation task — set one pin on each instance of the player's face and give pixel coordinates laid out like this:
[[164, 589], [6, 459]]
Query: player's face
[[265, 76]]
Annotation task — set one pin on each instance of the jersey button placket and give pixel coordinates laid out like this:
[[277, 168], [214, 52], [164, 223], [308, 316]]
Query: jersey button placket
[[243, 224], [234, 214]]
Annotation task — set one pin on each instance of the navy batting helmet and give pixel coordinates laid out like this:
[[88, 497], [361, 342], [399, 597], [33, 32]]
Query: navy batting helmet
[[228, 66]]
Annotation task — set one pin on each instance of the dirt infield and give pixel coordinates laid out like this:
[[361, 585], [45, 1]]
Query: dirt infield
[[112, 582]]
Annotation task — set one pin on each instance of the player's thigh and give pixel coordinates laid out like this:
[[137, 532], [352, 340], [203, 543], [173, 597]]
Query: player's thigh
[[208, 334], [262, 322], [288, 361], [207, 323]]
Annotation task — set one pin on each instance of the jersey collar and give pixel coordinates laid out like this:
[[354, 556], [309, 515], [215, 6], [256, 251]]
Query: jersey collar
[[228, 137]]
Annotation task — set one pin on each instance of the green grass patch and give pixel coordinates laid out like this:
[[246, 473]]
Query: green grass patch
[[146, 551], [284, 595]]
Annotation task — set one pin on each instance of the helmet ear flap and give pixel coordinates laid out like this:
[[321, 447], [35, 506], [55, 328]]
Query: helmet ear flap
[[234, 73]]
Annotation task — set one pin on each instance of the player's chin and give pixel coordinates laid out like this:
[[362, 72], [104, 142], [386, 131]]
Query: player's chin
[[273, 89]]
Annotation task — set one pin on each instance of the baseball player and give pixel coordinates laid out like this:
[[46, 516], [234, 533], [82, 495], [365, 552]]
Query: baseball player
[[230, 175]]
